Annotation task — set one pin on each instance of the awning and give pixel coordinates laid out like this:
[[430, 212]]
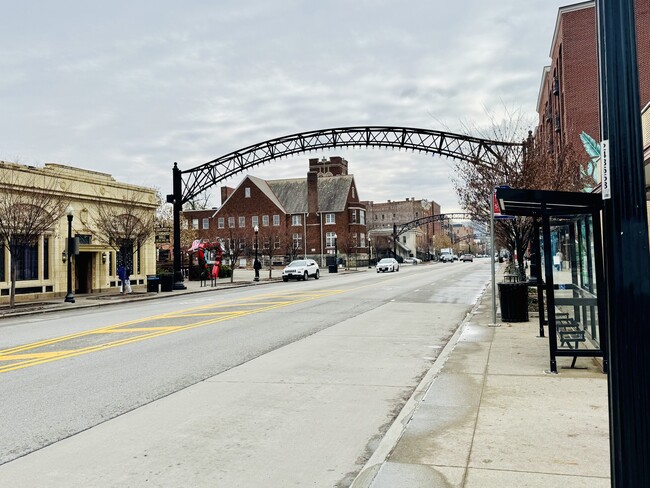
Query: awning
[[514, 201]]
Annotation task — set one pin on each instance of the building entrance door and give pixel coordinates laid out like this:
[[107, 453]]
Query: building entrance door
[[83, 272]]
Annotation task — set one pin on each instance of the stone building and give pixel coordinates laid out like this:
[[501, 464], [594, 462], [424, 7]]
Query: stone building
[[43, 267]]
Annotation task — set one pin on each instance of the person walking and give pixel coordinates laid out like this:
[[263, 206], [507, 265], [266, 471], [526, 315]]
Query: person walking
[[257, 266], [123, 274]]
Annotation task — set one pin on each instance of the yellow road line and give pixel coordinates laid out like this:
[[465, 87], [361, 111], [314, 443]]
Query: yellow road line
[[36, 358]]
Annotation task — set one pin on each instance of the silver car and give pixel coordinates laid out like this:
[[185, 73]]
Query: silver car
[[387, 264], [301, 269]]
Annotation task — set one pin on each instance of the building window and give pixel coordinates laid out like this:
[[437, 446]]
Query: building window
[[276, 244], [362, 217], [46, 258], [206, 223], [255, 220], [2, 264], [242, 244], [276, 220], [26, 258], [265, 220], [354, 216], [297, 241], [329, 239], [355, 240], [220, 223], [247, 192], [195, 224], [296, 219], [330, 218], [231, 222], [242, 221], [353, 193], [382, 216], [362, 240]]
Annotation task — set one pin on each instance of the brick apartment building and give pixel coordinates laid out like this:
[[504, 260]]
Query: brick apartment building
[[418, 243], [306, 217], [568, 101]]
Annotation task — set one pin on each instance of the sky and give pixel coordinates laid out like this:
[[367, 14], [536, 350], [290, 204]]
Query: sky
[[130, 87]]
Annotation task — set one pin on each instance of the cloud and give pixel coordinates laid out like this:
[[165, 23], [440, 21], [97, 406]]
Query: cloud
[[129, 88]]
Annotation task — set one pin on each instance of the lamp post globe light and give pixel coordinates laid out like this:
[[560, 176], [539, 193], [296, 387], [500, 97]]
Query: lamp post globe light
[[256, 264], [70, 296]]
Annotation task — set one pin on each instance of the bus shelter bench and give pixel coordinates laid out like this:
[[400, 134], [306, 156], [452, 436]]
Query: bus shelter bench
[[570, 332]]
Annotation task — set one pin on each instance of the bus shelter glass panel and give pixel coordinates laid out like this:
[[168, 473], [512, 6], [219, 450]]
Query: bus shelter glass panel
[[574, 283]]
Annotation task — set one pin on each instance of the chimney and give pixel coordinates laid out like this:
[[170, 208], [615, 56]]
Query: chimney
[[312, 192], [226, 191]]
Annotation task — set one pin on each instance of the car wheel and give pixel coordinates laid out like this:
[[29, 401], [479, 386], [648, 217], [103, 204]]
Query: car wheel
[[285, 279], [377, 271], [305, 277], [317, 275]]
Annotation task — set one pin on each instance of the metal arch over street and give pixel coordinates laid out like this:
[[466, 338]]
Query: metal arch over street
[[398, 230], [483, 152], [458, 146]]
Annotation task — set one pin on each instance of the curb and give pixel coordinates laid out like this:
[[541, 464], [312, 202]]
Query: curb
[[373, 466]]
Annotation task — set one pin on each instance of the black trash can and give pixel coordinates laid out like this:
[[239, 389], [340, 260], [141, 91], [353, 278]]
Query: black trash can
[[167, 282], [513, 298], [331, 264], [152, 283]]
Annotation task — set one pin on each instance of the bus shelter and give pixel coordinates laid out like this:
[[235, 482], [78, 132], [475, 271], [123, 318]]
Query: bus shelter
[[566, 268]]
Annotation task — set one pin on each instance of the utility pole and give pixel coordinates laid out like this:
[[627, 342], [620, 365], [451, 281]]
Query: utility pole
[[625, 244]]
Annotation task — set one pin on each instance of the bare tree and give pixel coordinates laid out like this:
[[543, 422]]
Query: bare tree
[[475, 181], [348, 246], [292, 248], [125, 225], [268, 238], [30, 207], [236, 245]]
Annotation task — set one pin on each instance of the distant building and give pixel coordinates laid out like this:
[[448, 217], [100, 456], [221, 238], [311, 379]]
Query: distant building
[[415, 243], [306, 216]]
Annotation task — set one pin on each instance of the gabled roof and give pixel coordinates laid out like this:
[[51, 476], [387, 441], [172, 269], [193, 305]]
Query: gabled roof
[[263, 186], [333, 193]]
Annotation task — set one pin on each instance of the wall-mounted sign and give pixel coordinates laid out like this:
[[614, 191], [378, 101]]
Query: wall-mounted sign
[[604, 164]]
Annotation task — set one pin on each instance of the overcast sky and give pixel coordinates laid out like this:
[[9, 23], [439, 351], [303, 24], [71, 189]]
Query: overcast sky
[[129, 87]]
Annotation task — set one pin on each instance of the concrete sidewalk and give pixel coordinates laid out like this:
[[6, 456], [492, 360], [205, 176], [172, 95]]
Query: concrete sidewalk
[[488, 415]]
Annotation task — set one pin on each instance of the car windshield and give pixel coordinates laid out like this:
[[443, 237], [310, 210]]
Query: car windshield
[[298, 263], [386, 260]]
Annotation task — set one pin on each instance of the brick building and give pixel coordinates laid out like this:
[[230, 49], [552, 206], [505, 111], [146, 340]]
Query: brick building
[[419, 242], [299, 216], [568, 101]]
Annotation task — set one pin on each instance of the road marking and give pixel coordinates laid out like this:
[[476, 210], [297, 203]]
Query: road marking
[[41, 352]]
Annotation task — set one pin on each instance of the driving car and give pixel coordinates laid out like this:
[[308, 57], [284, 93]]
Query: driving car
[[387, 264], [412, 261], [301, 269], [467, 257]]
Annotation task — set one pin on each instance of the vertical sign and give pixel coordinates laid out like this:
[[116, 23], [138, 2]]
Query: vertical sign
[[604, 162]]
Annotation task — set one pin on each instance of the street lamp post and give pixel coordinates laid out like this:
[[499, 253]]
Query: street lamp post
[[70, 296], [336, 252], [369, 253], [256, 264]]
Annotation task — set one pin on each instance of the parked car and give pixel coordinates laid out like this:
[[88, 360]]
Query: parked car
[[387, 264], [412, 261], [301, 269], [467, 257]]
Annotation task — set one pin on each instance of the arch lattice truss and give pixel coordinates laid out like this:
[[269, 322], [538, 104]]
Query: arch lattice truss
[[462, 147]]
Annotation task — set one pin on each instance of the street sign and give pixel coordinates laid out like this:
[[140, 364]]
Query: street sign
[[497, 208]]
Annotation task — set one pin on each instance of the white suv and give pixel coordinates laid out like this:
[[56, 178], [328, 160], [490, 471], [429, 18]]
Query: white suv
[[301, 269], [446, 257]]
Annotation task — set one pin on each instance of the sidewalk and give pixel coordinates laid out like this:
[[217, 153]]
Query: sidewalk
[[242, 277], [488, 415]]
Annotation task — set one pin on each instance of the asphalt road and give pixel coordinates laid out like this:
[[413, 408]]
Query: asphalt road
[[290, 384]]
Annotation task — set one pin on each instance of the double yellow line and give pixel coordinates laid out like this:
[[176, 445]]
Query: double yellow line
[[62, 347]]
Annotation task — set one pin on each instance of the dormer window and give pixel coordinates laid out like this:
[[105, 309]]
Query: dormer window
[[247, 192]]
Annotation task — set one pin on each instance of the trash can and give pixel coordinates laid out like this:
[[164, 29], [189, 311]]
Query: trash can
[[152, 283], [513, 298], [167, 282], [331, 264]]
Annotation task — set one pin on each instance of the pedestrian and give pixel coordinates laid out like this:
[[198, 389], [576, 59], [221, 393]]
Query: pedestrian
[[123, 274], [257, 266], [215, 273], [557, 261]]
